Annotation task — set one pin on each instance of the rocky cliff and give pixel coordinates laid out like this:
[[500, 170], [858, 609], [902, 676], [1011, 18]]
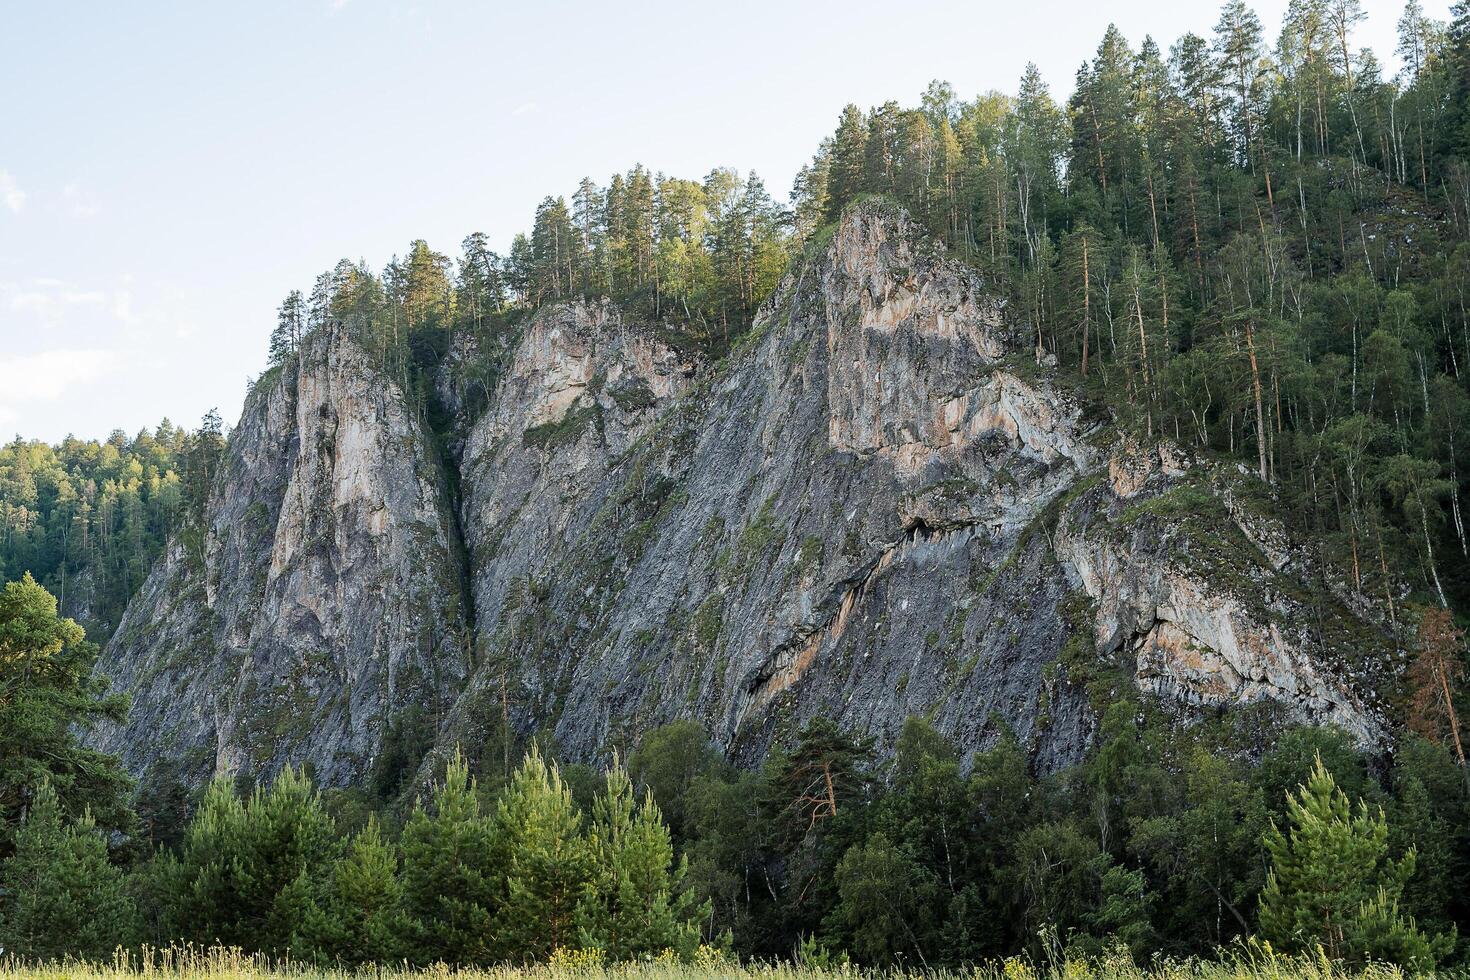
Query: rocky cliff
[[877, 505], [322, 604]]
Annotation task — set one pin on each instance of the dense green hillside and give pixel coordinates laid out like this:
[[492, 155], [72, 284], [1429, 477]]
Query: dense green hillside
[[89, 518]]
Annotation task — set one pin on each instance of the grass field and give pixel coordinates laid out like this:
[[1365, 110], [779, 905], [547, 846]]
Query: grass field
[[1257, 963]]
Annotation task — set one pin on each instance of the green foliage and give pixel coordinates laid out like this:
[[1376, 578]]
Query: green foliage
[[886, 900], [637, 907], [359, 917], [1155, 843], [58, 893], [1257, 252], [451, 874], [87, 519], [1333, 884], [47, 694], [547, 862], [1207, 854], [1176, 236], [564, 431], [249, 871], [667, 764]]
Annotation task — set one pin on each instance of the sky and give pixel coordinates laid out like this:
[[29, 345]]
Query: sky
[[169, 171]]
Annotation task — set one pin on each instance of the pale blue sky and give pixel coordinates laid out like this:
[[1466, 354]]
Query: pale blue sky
[[169, 170]]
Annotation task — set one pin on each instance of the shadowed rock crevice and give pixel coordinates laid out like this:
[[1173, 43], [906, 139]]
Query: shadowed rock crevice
[[788, 662]]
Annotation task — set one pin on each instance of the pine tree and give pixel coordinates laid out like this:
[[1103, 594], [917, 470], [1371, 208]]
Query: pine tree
[[319, 305], [548, 864], [849, 153], [426, 297], [809, 191], [591, 233], [552, 241], [58, 893], [290, 325], [638, 906], [825, 773], [481, 286], [451, 874], [1456, 131], [47, 693], [1034, 143], [201, 459], [1333, 884], [360, 917], [519, 267], [1238, 46], [248, 871]]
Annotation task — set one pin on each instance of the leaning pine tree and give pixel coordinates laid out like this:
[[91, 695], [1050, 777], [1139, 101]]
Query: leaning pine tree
[[1333, 885]]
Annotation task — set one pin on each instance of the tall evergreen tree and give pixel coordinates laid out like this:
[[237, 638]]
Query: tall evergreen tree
[[59, 896], [48, 693], [547, 863], [845, 173], [452, 873], [290, 326], [359, 917], [249, 872], [1333, 883], [637, 906]]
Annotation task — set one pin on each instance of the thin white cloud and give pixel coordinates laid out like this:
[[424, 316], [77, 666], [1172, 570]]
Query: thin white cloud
[[40, 304], [11, 196], [78, 203], [49, 374], [122, 307], [47, 299], [524, 108]]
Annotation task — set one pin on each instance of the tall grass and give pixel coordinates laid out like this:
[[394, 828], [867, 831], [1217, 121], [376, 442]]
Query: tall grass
[[194, 963]]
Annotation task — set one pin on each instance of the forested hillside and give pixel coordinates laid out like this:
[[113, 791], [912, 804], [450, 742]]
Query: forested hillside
[[89, 519], [1043, 532], [1257, 248]]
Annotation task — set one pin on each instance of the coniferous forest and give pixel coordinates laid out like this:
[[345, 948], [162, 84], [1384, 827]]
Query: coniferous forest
[[1255, 244]]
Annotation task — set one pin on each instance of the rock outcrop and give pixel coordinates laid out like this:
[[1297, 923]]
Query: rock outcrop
[[321, 608], [877, 505]]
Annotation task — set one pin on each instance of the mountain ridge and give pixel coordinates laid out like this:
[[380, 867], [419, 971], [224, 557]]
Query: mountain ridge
[[879, 504]]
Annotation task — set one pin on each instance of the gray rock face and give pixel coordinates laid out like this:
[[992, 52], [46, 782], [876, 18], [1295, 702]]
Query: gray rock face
[[324, 598], [877, 505], [1215, 603]]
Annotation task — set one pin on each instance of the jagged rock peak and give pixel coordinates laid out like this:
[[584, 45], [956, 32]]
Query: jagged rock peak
[[878, 505], [320, 605]]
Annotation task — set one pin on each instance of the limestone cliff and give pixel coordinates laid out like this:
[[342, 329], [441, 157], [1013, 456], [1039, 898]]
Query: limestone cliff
[[877, 505], [321, 601]]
